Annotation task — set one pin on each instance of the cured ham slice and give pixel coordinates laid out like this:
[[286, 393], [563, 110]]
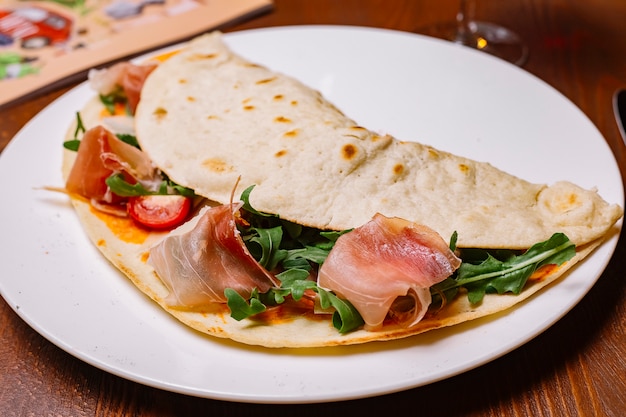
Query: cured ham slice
[[386, 267], [101, 154], [128, 76], [197, 266]]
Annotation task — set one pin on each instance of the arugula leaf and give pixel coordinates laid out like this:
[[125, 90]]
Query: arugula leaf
[[245, 197], [239, 307], [123, 188], [504, 271], [74, 143], [269, 242], [345, 318], [314, 254], [295, 280], [444, 291], [116, 96], [169, 187], [129, 139], [453, 240]]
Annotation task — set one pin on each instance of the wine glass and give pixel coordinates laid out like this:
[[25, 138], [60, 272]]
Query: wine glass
[[483, 36]]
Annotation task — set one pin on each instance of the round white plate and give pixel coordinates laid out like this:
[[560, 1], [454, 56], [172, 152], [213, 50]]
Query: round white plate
[[413, 87]]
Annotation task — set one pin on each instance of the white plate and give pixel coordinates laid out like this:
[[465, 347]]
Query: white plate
[[410, 86]]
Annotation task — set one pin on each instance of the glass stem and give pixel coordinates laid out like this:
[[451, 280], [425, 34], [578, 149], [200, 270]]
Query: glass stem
[[464, 17]]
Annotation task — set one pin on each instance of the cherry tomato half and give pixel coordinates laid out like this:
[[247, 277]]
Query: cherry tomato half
[[159, 211]]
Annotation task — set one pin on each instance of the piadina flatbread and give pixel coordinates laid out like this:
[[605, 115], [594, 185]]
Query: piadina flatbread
[[210, 120], [315, 166]]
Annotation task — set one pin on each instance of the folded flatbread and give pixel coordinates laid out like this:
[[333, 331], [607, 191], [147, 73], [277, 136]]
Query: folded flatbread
[[208, 117], [315, 166]]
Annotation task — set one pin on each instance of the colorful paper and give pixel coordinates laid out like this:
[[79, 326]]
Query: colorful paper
[[45, 43]]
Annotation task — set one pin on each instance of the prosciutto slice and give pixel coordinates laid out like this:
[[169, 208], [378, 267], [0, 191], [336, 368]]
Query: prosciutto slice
[[101, 154], [198, 265], [386, 267], [128, 76]]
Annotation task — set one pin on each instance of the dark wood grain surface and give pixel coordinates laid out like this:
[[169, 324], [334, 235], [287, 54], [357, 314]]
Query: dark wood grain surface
[[575, 368]]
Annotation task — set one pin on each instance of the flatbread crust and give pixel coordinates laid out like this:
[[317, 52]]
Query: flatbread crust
[[227, 118], [127, 247]]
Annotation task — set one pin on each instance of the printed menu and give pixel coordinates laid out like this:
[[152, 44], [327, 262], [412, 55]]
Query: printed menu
[[45, 43]]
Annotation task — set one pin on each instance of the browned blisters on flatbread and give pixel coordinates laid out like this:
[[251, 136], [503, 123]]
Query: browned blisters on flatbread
[[280, 153], [348, 151], [217, 165], [398, 169], [294, 102], [464, 168], [215, 331], [182, 81], [433, 153], [266, 80], [564, 202], [144, 257], [160, 112], [249, 107], [191, 98], [101, 242], [282, 119], [212, 117], [573, 200], [291, 133], [278, 97], [359, 128]]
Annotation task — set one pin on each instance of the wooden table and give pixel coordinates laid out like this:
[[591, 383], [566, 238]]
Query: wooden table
[[576, 368]]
